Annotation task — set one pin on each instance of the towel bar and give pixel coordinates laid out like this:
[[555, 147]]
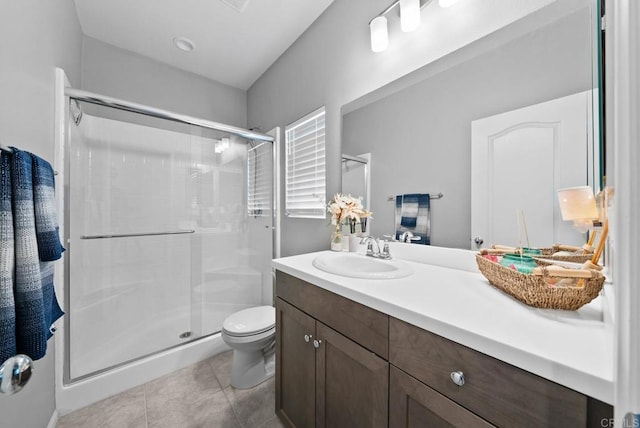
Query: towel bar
[[129, 235], [431, 196]]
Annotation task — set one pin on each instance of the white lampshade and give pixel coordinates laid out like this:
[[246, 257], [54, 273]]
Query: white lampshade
[[578, 205], [447, 3], [409, 15], [379, 34]]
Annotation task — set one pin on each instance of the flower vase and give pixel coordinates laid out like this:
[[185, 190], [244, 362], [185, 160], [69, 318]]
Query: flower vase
[[336, 240], [354, 243]]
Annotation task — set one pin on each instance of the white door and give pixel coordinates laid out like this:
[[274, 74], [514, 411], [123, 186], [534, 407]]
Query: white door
[[518, 161]]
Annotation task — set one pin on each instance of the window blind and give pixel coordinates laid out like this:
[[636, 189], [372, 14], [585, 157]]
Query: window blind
[[259, 188], [305, 182]]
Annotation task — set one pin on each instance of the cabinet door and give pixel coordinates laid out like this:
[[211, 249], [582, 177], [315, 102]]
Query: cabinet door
[[414, 404], [352, 383], [295, 366]]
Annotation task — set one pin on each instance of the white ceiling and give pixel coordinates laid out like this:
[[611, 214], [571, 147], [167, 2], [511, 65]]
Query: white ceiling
[[232, 47]]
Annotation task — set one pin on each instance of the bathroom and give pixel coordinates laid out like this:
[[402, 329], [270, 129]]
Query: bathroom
[[330, 64]]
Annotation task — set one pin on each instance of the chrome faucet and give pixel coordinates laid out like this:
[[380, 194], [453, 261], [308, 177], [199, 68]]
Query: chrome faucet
[[370, 240], [408, 237]]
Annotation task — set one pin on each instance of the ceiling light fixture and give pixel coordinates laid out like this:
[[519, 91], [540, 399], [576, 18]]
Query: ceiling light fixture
[[184, 44], [409, 21]]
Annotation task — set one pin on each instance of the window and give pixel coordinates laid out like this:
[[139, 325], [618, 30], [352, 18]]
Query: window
[[259, 172], [305, 185]]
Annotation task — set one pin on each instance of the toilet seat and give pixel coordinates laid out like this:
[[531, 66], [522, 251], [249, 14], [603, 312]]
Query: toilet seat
[[250, 322]]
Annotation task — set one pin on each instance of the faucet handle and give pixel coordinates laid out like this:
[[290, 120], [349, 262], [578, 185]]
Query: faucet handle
[[369, 248], [385, 250]]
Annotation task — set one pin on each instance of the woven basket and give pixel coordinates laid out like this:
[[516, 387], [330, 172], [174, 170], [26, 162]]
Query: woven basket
[[534, 290], [550, 253]]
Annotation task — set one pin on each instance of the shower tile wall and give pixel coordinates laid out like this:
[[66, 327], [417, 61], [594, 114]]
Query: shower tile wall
[[133, 296]]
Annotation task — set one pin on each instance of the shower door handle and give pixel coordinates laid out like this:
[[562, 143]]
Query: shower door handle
[[129, 235]]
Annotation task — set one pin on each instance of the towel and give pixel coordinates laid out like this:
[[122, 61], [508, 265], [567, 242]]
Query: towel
[[47, 236], [31, 338], [413, 215], [49, 246], [36, 306], [7, 263]]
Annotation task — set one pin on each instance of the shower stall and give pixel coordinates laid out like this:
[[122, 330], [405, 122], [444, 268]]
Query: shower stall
[[169, 223]]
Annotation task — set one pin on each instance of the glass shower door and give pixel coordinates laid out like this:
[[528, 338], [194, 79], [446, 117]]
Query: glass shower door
[[170, 231], [129, 248]]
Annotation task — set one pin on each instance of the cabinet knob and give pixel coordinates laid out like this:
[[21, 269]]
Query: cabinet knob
[[307, 337], [457, 378], [316, 343]]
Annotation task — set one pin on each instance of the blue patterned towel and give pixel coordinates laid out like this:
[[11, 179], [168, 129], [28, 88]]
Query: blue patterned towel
[[413, 214], [47, 236], [49, 246], [36, 306], [31, 338], [7, 263]]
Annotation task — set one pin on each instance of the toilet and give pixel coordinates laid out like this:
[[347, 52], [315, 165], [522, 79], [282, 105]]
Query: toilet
[[251, 333]]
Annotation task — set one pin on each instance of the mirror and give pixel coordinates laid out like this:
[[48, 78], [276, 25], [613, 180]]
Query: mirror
[[418, 129], [355, 177]]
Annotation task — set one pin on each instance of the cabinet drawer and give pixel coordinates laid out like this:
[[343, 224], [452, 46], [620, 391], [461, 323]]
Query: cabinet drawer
[[414, 404], [361, 324], [498, 392]]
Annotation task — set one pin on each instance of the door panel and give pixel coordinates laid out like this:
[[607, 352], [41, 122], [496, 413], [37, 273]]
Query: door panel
[[352, 383], [295, 366], [518, 161]]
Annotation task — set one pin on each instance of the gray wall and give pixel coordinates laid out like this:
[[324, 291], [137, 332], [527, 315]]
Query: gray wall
[[332, 64], [35, 37], [420, 137], [109, 70]]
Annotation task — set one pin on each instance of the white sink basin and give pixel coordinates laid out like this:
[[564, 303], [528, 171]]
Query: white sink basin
[[360, 266]]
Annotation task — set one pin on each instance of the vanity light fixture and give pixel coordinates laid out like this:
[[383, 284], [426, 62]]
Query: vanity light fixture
[[409, 15], [379, 34], [409, 21]]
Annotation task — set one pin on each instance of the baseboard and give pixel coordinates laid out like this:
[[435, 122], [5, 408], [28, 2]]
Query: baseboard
[[53, 421]]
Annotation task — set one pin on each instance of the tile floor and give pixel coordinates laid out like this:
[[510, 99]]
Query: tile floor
[[196, 396]]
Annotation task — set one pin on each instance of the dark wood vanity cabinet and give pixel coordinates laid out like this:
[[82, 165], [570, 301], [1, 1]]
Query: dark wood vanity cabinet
[[342, 364], [324, 378], [295, 366], [414, 404]]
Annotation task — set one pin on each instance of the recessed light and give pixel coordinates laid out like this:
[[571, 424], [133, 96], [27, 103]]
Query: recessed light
[[184, 44]]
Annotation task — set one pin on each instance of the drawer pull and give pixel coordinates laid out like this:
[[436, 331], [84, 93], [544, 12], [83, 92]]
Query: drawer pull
[[457, 378], [307, 337], [316, 343]]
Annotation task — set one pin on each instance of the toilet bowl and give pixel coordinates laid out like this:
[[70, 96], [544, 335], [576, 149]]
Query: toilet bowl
[[251, 333]]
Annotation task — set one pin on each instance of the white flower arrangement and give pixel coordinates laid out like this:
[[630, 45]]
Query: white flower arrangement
[[345, 209]]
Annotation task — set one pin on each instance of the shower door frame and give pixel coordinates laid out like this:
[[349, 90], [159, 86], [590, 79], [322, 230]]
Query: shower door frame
[[119, 104]]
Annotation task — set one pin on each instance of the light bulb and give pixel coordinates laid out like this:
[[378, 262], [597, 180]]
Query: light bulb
[[409, 15], [379, 34]]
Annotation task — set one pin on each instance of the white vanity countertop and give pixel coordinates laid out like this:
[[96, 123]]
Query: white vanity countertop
[[572, 348]]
